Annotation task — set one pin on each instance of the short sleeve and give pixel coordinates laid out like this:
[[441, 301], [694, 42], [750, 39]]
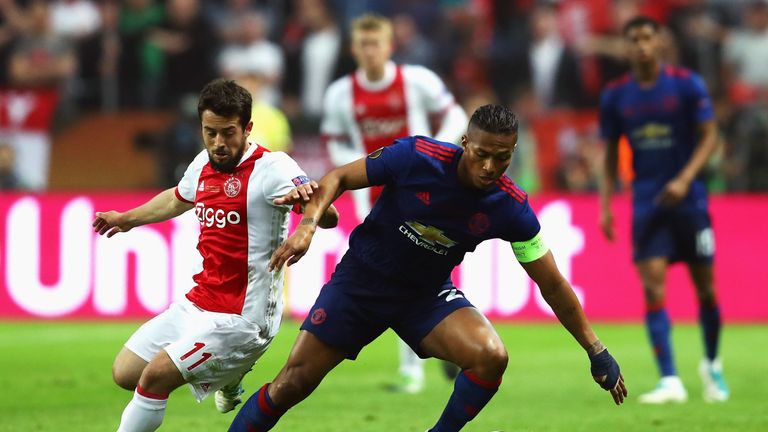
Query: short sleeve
[[186, 190], [281, 176], [525, 225], [390, 164], [332, 124], [610, 123], [436, 96], [698, 99]]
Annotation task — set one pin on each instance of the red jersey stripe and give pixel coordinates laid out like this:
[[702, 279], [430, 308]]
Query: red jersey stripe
[[181, 198], [511, 192], [433, 154], [444, 150]]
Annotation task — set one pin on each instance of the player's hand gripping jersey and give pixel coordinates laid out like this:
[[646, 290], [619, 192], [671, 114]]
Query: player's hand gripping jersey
[[426, 220]]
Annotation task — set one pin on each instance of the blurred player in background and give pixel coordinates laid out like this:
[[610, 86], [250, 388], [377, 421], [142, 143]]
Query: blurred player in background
[[439, 202], [372, 107], [666, 114], [211, 338]]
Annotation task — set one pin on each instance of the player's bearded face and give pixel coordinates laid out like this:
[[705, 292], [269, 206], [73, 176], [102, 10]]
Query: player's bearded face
[[486, 157], [225, 140]]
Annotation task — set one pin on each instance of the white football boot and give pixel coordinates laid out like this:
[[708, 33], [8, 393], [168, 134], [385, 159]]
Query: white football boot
[[669, 389], [715, 389], [228, 397]]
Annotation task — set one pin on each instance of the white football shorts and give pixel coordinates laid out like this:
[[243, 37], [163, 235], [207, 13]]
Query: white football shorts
[[210, 349]]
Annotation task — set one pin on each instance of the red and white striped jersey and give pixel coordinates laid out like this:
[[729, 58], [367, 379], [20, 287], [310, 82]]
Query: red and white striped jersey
[[361, 116], [240, 227]]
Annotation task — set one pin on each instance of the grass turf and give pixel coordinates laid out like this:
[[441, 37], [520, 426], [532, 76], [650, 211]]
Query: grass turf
[[56, 377]]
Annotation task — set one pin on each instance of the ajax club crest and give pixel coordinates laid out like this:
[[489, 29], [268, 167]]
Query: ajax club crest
[[232, 187]]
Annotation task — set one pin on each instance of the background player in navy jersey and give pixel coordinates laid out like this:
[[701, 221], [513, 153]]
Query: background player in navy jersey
[[666, 115], [439, 202]]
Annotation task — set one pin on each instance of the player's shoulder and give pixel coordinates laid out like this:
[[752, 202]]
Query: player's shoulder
[[339, 87], [511, 190], [679, 72], [433, 150], [419, 74], [201, 159], [273, 158], [617, 84]]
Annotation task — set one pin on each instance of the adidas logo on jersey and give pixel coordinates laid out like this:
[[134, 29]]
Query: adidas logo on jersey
[[201, 188], [423, 197]]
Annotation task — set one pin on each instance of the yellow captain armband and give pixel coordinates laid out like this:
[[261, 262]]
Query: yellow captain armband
[[530, 250]]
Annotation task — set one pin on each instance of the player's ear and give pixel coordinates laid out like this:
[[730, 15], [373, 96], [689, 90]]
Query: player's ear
[[248, 128], [464, 141]]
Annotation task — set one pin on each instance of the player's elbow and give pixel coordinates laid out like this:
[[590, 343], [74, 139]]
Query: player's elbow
[[330, 218]]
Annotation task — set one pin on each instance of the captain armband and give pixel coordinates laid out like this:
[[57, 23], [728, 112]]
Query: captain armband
[[530, 250]]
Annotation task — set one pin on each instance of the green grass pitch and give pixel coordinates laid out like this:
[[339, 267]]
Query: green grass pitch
[[56, 377]]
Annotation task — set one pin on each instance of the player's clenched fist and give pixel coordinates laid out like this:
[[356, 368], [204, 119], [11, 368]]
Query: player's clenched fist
[[607, 373]]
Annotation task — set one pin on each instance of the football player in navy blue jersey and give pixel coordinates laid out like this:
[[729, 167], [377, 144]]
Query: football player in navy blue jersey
[[439, 202], [666, 115]]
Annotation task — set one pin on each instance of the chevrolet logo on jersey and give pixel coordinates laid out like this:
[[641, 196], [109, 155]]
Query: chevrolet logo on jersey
[[428, 237]]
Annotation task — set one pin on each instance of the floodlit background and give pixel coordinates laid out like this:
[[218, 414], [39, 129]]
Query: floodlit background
[[98, 111]]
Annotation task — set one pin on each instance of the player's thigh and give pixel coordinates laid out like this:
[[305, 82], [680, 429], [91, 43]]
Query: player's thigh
[[127, 368], [467, 339], [216, 351]]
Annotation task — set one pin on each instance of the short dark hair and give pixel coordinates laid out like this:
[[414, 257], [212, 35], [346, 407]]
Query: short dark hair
[[640, 21], [496, 119], [226, 98]]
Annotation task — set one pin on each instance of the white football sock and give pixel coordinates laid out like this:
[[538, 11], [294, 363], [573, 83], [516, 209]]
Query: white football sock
[[143, 413], [410, 364]]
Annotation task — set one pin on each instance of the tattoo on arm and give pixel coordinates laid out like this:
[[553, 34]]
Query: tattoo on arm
[[308, 221], [595, 348]]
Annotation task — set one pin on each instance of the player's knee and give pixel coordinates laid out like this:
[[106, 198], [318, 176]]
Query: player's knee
[[291, 386], [125, 380], [493, 360]]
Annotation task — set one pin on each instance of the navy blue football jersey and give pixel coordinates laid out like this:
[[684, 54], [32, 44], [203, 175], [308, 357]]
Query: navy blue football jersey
[[660, 123], [425, 220]]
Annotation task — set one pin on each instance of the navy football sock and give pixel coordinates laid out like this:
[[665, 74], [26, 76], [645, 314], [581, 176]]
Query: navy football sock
[[659, 329], [709, 317], [470, 395], [258, 413]]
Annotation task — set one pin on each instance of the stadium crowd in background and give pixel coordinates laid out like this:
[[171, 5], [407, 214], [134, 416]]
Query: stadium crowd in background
[[547, 59]]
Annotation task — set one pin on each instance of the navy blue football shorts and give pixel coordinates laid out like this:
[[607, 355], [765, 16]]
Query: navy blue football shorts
[[679, 234], [356, 306]]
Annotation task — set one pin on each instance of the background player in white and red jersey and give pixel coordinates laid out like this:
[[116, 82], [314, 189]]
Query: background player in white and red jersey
[[211, 338], [378, 103]]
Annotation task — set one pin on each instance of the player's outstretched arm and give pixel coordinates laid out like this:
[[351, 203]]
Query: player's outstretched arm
[[350, 176], [162, 206], [301, 195], [560, 296]]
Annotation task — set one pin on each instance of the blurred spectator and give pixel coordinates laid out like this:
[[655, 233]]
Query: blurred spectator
[[746, 55], [175, 146], [41, 65], [8, 178], [314, 50], [140, 62], [74, 19], [746, 164], [270, 126], [699, 29], [251, 53], [222, 13], [553, 72], [100, 61], [411, 47], [12, 22], [189, 46]]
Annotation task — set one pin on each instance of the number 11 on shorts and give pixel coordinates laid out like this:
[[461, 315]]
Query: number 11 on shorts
[[203, 357]]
